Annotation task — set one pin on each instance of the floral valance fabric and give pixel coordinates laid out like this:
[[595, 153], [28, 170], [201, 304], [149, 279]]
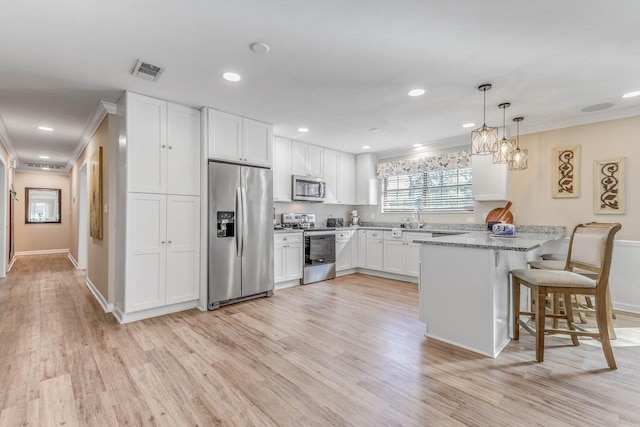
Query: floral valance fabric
[[440, 162]]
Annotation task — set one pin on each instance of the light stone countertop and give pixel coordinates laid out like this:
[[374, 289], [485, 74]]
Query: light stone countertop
[[484, 240]]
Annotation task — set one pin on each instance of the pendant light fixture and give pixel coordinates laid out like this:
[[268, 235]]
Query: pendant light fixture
[[519, 158], [505, 146], [484, 140]]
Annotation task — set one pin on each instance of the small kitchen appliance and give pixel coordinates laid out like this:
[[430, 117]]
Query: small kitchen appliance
[[355, 219]]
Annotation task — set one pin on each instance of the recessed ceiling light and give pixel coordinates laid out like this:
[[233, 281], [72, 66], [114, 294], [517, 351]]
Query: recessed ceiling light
[[303, 130], [231, 77], [44, 157], [597, 107], [259, 48], [365, 147], [374, 130], [417, 145], [468, 125], [417, 92], [631, 94], [45, 128]]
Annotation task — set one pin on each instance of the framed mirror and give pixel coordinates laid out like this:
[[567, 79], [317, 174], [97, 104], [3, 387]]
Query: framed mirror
[[42, 205]]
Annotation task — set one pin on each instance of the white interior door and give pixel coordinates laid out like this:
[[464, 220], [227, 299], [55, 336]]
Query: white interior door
[[83, 218]]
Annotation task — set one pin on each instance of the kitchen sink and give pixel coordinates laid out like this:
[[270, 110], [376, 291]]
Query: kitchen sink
[[446, 233]]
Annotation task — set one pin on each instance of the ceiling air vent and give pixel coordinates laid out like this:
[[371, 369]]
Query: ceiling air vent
[[45, 166], [147, 71]]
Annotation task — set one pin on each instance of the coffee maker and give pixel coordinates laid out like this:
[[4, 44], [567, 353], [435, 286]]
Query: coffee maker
[[355, 219]]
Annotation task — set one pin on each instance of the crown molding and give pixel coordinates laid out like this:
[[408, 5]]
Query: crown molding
[[6, 142], [102, 109], [26, 169], [427, 148]]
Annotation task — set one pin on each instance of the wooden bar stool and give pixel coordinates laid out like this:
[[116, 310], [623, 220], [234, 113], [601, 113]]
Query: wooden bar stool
[[590, 249]]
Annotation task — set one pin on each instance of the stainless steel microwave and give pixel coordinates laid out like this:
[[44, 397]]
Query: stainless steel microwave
[[308, 188]]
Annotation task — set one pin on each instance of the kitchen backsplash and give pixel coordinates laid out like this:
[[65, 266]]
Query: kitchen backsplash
[[322, 211]]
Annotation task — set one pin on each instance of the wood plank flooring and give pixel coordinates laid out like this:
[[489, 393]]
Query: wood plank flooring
[[350, 351]]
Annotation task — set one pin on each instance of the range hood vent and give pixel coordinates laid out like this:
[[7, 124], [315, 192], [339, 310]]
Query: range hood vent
[[147, 71], [45, 166]]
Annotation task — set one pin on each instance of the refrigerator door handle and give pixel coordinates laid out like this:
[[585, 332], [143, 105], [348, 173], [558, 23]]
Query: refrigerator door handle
[[239, 222], [243, 191]]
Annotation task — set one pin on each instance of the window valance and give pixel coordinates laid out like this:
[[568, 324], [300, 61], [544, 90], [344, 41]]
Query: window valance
[[440, 162]]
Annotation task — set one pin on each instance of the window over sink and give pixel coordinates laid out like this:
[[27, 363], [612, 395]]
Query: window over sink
[[432, 191]]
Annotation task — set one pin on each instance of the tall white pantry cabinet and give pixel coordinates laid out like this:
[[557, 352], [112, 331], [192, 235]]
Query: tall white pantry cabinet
[[158, 237]]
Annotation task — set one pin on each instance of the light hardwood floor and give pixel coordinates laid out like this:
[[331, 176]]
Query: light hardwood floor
[[350, 351]]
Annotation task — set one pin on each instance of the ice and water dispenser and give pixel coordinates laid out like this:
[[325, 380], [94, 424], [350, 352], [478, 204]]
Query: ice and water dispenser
[[226, 224]]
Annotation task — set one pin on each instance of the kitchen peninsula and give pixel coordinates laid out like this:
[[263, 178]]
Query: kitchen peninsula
[[465, 288]]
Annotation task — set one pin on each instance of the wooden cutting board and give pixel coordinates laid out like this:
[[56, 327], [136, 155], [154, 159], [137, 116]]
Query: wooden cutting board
[[500, 214]]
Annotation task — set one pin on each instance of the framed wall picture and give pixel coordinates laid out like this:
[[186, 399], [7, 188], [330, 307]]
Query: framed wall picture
[[95, 194], [609, 186], [566, 172]]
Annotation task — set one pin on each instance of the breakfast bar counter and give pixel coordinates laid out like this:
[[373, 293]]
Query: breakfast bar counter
[[464, 284]]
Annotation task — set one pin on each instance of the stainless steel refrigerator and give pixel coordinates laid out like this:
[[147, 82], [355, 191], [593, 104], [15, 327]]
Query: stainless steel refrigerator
[[240, 233]]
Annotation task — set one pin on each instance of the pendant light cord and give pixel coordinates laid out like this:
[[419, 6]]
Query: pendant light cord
[[484, 107], [518, 135], [504, 126]]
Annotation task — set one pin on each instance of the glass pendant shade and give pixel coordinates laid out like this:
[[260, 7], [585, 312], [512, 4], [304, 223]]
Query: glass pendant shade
[[519, 160], [484, 141], [505, 146]]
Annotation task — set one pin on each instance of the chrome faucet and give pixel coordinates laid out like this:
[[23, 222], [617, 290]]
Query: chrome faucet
[[420, 223]]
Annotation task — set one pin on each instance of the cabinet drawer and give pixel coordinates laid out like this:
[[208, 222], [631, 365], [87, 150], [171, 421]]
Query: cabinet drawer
[[344, 234], [375, 234], [287, 238]]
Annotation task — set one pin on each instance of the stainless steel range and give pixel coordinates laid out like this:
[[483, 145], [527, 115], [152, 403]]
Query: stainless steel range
[[319, 247]]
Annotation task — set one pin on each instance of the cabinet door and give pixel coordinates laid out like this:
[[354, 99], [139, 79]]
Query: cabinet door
[[279, 263], [343, 254], [183, 155], [146, 144], [299, 152], [490, 181], [394, 253], [412, 259], [293, 261], [362, 248], [315, 161], [346, 186], [183, 248], [354, 249], [257, 142], [375, 254], [281, 169], [146, 251], [224, 136], [366, 180], [330, 174]]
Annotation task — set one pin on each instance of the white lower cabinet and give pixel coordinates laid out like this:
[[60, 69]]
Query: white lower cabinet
[[362, 249], [287, 257], [375, 254], [412, 253], [401, 257], [346, 250], [163, 250]]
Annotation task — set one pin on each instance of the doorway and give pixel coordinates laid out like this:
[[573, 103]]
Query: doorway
[[4, 188], [83, 218]]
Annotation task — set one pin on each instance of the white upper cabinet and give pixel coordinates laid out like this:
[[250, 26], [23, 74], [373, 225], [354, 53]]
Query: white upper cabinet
[[257, 140], [163, 147], [281, 169], [146, 144], [183, 150], [347, 177], [367, 184], [224, 136], [490, 181], [237, 139], [306, 159], [331, 159]]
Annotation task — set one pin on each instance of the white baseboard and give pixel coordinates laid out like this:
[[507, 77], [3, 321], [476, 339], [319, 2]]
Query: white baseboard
[[152, 312], [287, 284], [108, 308], [42, 252], [346, 272], [13, 261], [629, 308], [386, 275], [73, 261]]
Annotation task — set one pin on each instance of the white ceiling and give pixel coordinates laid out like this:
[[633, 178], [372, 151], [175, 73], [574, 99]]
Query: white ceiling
[[337, 67]]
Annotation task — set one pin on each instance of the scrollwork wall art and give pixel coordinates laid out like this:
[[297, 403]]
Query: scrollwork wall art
[[566, 172], [609, 194]]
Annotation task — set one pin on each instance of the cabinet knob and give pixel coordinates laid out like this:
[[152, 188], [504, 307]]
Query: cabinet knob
[[162, 242], [170, 147], [169, 242], [245, 159], [286, 238], [163, 146]]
